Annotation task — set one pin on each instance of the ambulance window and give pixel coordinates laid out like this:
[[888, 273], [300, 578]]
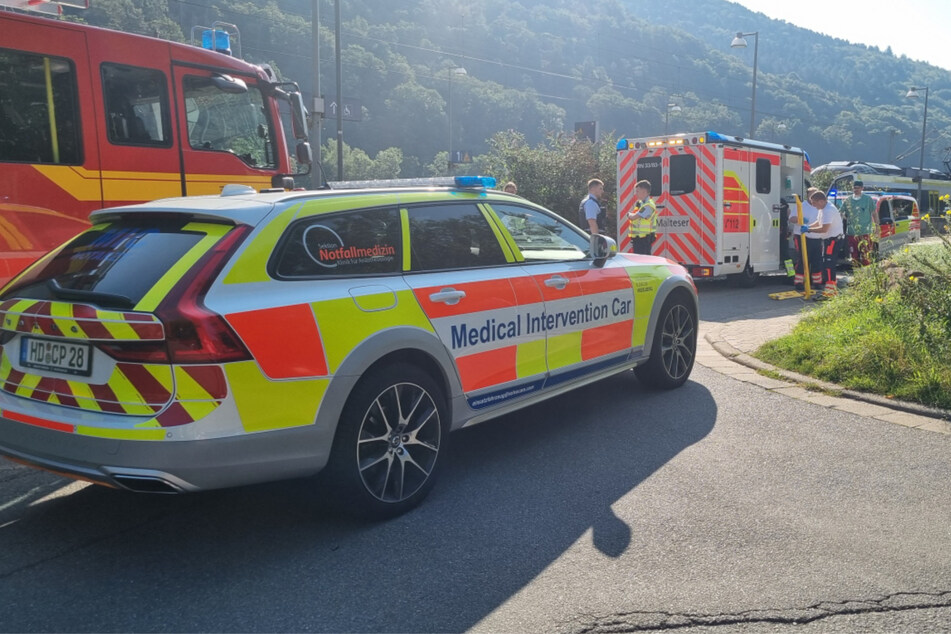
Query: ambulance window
[[367, 242], [31, 132], [451, 237], [683, 174], [540, 236], [136, 106], [648, 168], [763, 176]]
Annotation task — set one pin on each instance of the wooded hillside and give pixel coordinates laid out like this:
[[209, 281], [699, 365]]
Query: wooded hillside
[[539, 66]]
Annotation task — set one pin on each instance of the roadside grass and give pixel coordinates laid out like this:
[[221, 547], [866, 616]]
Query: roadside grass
[[888, 332]]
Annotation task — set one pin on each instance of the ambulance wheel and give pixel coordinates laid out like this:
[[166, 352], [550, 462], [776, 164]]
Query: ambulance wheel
[[748, 278], [673, 349], [389, 440]]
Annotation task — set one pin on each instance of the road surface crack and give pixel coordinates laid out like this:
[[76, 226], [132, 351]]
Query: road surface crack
[[641, 621]]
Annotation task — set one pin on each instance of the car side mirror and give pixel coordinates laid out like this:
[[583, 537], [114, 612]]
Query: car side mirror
[[601, 248]]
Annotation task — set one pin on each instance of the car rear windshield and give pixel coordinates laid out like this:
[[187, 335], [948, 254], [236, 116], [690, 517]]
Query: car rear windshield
[[112, 266]]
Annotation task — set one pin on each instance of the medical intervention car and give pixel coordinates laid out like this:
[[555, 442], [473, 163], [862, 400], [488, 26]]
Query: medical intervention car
[[204, 342]]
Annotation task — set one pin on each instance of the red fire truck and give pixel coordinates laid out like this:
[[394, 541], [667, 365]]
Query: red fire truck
[[721, 200], [92, 118]]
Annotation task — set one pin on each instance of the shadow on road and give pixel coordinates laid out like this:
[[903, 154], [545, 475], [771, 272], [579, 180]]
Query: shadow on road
[[516, 494]]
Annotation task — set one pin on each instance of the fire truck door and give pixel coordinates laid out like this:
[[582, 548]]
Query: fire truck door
[[764, 211], [138, 152], [228, 135]]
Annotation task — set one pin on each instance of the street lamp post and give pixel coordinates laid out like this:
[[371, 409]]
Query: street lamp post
[[740, 42], [452, 71], [913, 94], [671, 107]]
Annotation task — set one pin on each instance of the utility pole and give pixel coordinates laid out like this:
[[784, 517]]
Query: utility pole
[[339, 91], [317, 115]]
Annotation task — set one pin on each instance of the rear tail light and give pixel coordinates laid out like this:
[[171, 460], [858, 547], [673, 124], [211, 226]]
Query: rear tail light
[[193, 333]]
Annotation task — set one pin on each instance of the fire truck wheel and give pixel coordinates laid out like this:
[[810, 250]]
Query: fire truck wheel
[[674, 347], [748, 278], [389, 443]]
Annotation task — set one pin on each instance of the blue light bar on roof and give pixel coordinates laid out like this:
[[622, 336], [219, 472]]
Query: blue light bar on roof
[[467, 182], [485, 182], [215, 40]]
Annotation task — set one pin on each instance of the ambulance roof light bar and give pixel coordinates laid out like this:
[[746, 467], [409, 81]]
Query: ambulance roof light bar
[[460, 182], [697, 138]]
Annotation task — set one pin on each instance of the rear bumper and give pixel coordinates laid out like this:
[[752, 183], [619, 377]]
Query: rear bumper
[[169, 466]]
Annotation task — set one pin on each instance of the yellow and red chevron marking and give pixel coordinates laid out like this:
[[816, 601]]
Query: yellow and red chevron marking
[[627, 177], [697, 245], [132, 389], [199, 390], [78, 321]]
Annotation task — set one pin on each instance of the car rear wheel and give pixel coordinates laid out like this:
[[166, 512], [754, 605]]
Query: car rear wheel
[[674, 347], [389, 441]]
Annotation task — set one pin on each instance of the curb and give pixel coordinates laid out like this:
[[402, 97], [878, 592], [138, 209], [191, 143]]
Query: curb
[[737, 356]]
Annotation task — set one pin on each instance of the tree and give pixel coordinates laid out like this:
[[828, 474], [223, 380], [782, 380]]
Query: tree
[[357, 164]]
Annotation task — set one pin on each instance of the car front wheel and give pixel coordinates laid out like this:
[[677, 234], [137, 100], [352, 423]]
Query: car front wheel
[[674, 347], [387, 449]]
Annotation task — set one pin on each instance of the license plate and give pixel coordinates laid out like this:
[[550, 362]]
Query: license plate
[[58, 356]]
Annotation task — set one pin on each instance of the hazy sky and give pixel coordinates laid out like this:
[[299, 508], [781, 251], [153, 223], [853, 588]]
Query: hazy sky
[[920, 29]]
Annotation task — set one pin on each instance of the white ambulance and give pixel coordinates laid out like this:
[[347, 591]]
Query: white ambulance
[[721, 200]]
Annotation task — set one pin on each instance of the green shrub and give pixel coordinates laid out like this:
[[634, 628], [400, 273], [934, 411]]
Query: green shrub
[[889, 332]]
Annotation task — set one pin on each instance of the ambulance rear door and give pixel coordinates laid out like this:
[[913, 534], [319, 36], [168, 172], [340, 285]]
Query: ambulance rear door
[[765, 210], [686, 223], [736, 179]]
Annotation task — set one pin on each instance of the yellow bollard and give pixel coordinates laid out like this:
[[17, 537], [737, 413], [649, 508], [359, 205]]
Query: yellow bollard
[[805, 257]]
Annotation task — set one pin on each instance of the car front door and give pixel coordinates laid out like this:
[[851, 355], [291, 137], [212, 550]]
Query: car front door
[[587, 314]]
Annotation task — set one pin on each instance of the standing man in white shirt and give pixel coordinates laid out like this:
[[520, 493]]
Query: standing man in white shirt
[[829, 228]]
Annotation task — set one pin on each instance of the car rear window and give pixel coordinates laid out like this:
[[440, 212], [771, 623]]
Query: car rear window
[[112, 267]]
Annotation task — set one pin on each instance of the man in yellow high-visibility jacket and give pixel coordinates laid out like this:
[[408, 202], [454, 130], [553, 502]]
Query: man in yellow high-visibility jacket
[[643, 219]]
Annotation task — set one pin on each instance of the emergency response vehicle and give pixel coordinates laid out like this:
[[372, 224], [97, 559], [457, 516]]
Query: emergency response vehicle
[[932, 189], [91, 118], [899, 221], [205, 342], [722, 201]]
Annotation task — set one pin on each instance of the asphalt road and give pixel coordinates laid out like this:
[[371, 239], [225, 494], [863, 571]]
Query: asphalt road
[[614, 508]]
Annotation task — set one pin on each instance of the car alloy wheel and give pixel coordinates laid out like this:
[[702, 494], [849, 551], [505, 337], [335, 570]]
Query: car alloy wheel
[[398, 442]]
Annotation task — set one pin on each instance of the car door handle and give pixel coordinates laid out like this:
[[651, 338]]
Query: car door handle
[[557, 281], [448, 296]]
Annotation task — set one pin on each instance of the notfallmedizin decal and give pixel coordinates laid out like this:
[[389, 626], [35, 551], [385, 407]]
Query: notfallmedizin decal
[[327, 248], [349, 253]]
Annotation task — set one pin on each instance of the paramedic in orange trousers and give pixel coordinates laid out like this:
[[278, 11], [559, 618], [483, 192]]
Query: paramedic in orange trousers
[[829, 227], [813, 244]]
